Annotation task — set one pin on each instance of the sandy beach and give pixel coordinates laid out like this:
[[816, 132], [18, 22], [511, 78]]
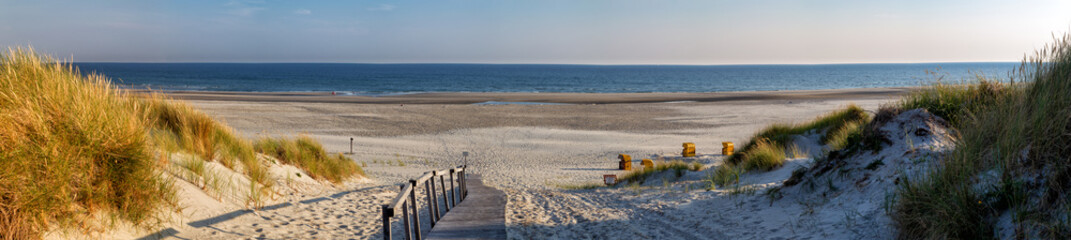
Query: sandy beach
[[532, 151]]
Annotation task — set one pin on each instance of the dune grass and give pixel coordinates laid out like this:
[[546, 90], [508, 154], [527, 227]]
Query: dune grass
[[1017, 133], [179, 127], [836, 126], [74, 148], [640, 175], [71, 146], [306, 153], [764, 155]]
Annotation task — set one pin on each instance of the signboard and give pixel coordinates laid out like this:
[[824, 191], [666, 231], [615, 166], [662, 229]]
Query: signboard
[[609, 179]]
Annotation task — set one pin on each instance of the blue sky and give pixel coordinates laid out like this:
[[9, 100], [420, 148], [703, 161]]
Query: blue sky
[[544, 31]]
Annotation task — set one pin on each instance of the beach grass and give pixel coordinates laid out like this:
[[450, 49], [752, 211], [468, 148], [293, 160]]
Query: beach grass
[[835, 126], [641, 175], [1010, 159], [74, 148], [768, 149], [306, 153], [71, 145]]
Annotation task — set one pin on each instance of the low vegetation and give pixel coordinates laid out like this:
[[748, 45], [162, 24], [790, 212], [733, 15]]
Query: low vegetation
[[77, 152], [70, 146], [307, 154], [835, 128], [767, 149], [640, 175], [1010, 160]]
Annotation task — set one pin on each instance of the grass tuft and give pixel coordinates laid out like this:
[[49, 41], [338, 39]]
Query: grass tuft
[[765, 155], [307, 154], [641, 175], [836, 127], [71, 146]]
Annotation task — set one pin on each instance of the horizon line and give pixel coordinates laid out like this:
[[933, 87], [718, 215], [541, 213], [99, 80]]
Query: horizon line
[[548, 64]]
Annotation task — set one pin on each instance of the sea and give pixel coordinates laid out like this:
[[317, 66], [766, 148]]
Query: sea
[[383, 79]]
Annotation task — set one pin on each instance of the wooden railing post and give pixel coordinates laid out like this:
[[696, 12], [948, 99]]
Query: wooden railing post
[[464, 182], [453, 193], [405, 215], [431, 203], [446, 201], [407, 200], [416, 210], [434, 198], [387, 213]]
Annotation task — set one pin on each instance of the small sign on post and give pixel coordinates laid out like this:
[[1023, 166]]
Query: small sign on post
[[609, 179], [351, 145]]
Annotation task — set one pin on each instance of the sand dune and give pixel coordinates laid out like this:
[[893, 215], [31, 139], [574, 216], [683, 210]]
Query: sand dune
[[531, 151]]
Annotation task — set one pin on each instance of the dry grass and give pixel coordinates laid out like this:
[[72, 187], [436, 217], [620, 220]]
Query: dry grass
[[71, 146], [74, 147], [306, 153]]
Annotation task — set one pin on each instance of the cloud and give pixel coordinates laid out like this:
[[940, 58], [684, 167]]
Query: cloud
[[382, 7], [302, 11], [243, 8]]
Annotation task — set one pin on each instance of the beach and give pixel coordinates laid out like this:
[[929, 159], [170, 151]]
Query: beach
[[534, 152]]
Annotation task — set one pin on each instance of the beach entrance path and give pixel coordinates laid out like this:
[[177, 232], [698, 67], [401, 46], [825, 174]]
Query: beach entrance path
[[482, 215]]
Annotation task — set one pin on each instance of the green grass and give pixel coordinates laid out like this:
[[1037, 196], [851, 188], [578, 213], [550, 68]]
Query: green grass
[[953, 102], [725, 175], [764, 155], [836, 126], [307, 154], [71, 146], [1021, 131]]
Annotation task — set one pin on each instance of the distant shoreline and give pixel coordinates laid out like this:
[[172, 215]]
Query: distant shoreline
[[562, 98]]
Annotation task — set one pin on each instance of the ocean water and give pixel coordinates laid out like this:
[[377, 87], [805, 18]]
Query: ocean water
[[413, 78]]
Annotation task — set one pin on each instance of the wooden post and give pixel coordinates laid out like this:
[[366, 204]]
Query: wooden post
[[446, 201], [416, 210], [387, 213], [431, 202], [351, 145], [405, 216], [464, 186], [453, 193]]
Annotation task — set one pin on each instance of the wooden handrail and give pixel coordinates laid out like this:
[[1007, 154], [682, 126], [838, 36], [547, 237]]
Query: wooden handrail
[[406, 201], [401, 198]]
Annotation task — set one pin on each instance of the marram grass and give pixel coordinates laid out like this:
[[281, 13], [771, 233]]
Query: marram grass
[[1018, 131], [74, 147], [306, 153], [71, 146]]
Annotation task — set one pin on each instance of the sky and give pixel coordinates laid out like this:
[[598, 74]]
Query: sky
[[706, 32]]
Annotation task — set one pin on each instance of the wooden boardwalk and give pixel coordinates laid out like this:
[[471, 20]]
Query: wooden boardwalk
[[482, 215]]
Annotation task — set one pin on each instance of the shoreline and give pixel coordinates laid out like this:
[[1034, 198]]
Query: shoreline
[[560, 98]]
